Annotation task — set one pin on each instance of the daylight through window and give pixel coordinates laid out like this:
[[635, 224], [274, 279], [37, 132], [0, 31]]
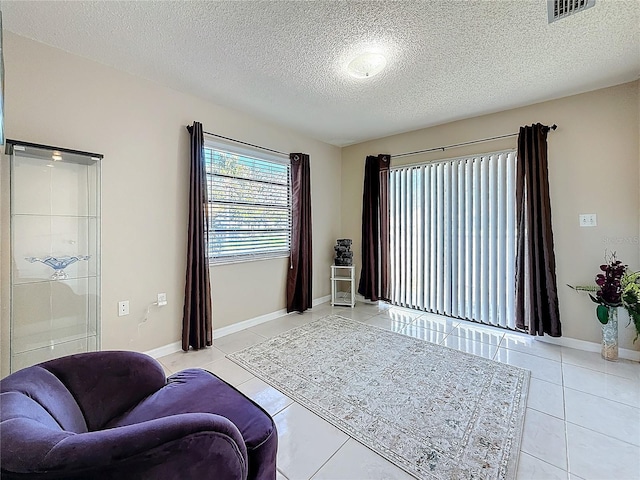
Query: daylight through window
[[249, 205], [453, 237]]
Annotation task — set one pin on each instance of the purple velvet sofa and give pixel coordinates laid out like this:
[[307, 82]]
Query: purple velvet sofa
[[108, 415]]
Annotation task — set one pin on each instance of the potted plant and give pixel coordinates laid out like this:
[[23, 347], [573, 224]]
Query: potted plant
[[615, 287]]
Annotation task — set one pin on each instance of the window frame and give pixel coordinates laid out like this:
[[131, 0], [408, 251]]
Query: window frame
[[216, 144]]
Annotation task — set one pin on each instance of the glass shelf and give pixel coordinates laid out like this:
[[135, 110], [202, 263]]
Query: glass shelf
[[22, 360], [50, 338], [51, 215], [25, 281]]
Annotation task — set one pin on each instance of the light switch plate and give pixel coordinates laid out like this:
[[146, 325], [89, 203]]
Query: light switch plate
[[588, 220]]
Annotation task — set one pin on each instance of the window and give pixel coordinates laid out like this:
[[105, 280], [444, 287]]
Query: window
[[249, 195], [453, 237]]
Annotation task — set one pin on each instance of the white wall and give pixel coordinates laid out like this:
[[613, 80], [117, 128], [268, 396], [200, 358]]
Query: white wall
[[55, 98], [593, 168]]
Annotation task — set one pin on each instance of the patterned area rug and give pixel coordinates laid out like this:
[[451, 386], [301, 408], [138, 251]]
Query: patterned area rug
[[435, 412]]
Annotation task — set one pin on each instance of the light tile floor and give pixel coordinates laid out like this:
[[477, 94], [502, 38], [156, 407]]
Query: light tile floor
[[582, 420]]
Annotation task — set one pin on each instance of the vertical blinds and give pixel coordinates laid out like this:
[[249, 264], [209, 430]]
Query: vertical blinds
[[453, 237], [249, 206]]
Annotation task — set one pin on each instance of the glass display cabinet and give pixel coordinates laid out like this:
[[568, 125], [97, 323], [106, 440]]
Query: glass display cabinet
[[55, 252]]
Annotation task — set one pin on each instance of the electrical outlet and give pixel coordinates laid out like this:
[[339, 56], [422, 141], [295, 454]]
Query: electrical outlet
[[588, 220], [162, 299], [123, 308]]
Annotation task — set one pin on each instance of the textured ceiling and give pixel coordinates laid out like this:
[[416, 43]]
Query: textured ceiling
[[284, 61]]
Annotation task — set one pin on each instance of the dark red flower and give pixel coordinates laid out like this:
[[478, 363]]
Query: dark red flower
[[610, 291]]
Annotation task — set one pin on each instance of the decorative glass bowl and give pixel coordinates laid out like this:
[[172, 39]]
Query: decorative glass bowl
[[58, 264]]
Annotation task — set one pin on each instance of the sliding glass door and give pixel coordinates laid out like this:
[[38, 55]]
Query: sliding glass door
[[453, 236]]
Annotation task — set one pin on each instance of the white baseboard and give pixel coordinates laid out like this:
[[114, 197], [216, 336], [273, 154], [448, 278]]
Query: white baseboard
[[321, 300], [589, 346], [229, 329], [165, 350], [252, 322]]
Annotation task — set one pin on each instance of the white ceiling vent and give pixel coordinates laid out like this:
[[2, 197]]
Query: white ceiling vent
[[559, 9]]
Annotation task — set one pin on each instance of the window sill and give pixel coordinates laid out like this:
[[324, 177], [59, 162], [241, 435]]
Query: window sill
[[232, 260]]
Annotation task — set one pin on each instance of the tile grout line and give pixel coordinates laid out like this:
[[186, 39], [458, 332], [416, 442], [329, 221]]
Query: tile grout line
[[534, 455], [544, 461], [599, 433], [546, 413], [498, 349], [603, 398], [566, 424], [331, 456], [600, 371], [292, 403], [286, 406], [280, 472]]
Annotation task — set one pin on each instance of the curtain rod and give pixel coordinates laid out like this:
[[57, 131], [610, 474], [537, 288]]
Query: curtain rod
[[417, 152], [244, 143], [450, 159]]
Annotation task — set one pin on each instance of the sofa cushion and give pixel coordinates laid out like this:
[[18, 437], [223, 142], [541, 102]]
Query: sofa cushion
[[50, 393], [27, 432], [107, 384], [196, 390]]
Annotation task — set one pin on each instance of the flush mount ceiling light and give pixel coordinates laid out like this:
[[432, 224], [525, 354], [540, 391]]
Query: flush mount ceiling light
[[366, 65]]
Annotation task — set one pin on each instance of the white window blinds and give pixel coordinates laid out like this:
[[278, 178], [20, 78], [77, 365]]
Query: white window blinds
[[249, 206], [453, 237]]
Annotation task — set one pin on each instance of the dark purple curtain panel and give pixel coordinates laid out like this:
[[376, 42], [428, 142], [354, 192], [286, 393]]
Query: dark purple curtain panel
[[374, 283], [536, 285], [383, 206], [299, 276], [197, 330]]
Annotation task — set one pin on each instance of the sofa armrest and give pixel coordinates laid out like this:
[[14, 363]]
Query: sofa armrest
[[106, 384], [170, 447]]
